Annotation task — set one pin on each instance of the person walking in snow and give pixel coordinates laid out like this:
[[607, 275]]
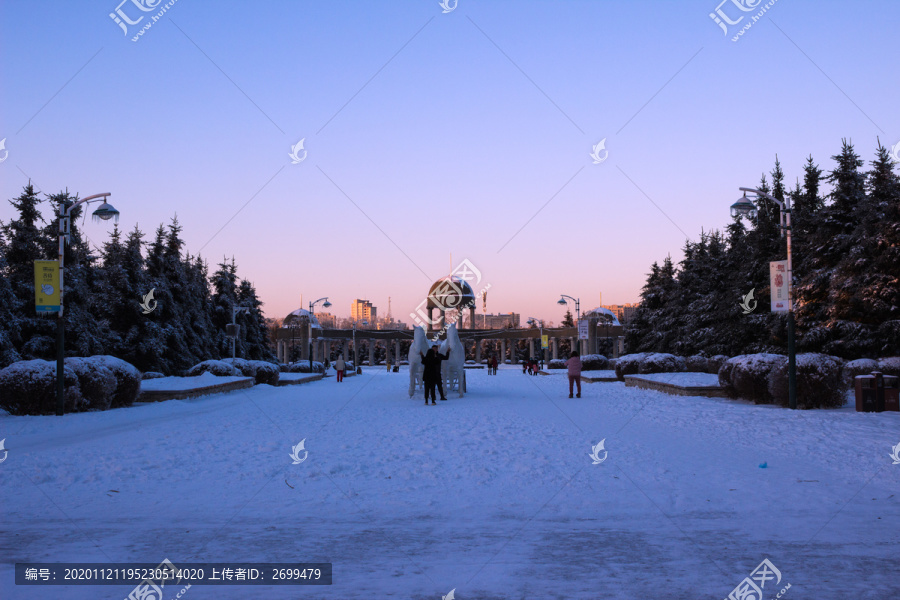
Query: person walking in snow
[[574, 368], [339, 366], [432, 374]]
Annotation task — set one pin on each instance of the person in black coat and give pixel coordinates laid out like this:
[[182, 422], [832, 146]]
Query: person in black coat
[[432, 374]]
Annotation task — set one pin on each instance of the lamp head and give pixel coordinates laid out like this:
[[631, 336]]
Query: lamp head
[[562, 302], [106, 212], [744, 207], [327, 303]]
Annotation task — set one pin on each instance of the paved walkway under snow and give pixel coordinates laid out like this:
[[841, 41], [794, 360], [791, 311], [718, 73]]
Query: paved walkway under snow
[[493, 495]]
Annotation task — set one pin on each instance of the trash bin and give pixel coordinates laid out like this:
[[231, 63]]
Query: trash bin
[[877, 393]]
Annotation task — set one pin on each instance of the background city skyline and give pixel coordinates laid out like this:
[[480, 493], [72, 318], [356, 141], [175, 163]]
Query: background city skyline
[[429, 134]]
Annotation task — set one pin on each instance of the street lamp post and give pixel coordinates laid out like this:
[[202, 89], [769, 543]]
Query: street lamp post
[[312, 305], [234, 311], [105, 212], [562, 302], [745, 207]]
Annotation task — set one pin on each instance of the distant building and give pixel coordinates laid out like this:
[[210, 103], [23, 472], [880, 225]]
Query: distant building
[[363, 309], [624, 312], [500, 321], [325, 319]]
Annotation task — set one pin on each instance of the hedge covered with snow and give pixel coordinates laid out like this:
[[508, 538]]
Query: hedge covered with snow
[[92, 383], [594, 362], [658, 362], [128, 379], [152, 375], [696, 364], [219, 368], [818, 381], [890, 365], [629, 364], [556, 363], [261, 371], [715, 363], [860, 366], [303, 367], [747, 376]]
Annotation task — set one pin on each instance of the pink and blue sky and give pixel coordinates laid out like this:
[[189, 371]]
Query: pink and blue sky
[[431, 133]]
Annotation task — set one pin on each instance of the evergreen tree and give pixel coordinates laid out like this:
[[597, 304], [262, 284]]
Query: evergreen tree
[[568, 321], [24, 242]]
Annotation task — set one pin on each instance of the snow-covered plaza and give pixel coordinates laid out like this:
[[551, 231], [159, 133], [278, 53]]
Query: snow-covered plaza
[[494, 495]]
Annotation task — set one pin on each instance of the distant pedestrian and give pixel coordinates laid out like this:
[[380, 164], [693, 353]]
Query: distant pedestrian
[[525, 365], [327, 364], [339, 366], [574, 368], [431, 376], [534, 367]]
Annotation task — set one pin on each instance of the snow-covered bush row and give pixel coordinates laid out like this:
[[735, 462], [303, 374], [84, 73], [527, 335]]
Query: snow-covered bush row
[[818, 381], [219, 368], [261, 371], [629, 364], [860, 366], [890, 365], [128, 379], [594, 362], [93, 383], [715, 363], [658, 362], [303, 367], [28, 387], [152, 375], [611, 364], [556, 363], [747, 376], [696, 364]]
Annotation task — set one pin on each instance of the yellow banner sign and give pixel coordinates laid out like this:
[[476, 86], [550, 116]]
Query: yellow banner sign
[[46, 285], [545, 341]]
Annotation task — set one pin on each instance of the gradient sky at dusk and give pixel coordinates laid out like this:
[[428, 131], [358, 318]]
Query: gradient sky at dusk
[[428, 134]]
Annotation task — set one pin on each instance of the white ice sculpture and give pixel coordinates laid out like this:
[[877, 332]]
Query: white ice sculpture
[[452, 369]]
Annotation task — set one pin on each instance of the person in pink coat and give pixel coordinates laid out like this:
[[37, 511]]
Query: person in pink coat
[[574, 367]]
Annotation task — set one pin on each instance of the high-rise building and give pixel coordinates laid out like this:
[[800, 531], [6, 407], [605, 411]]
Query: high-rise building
[[325, 319], [363, 309], [492, 321], [623, 312]]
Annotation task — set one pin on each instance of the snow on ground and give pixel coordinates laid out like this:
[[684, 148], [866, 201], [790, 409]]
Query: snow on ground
[[186, 383], [493, 495]]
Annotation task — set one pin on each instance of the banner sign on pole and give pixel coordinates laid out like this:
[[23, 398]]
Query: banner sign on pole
[[583, 326], [545, 341], [46, 286], [778, 283]]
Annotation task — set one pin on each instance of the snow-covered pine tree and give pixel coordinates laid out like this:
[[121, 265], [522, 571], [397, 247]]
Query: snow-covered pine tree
[[24, 242]]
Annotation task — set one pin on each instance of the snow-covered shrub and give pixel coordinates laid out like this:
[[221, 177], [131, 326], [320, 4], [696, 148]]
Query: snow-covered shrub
[[629, 364], [470, 362], [611, 364], [265, 372], [890, 365], [748, 376], [128, 379], [726, 370], [714, 364], [96, 382], [152, 375], [218, 368], [696, 364], [594, 362], [556, 363], [406, 362], [860, 366], [317, 367], [261, 371], [818, 381], [660, 362], [29, 388]]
